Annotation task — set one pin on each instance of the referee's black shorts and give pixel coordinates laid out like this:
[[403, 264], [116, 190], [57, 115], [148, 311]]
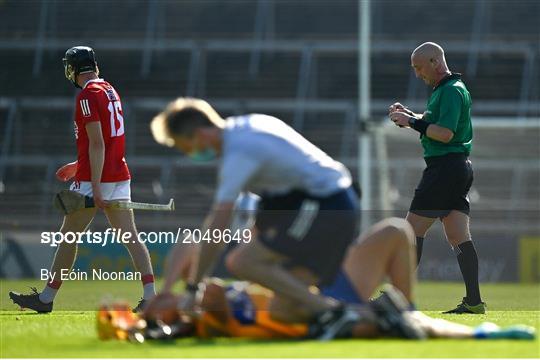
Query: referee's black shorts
[[444, 186], [312, 232]]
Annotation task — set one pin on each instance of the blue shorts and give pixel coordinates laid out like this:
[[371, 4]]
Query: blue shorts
[[312, 232], [342, 290]]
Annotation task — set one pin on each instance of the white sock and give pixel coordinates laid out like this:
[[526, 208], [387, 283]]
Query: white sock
[[47, 295], [149, 290]]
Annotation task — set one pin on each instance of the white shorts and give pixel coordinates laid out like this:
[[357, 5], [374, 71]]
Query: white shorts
[[120, 190]]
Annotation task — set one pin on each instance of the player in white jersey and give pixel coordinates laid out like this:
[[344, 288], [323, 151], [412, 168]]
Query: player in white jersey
[[308, 213]]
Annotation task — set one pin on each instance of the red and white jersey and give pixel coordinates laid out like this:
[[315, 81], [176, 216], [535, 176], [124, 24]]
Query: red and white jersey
[[98, 101]]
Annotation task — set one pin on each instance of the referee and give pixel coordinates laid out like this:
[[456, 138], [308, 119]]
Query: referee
[[446, 135]]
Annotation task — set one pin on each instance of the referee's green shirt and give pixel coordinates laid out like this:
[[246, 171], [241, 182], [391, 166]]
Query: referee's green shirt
[[449, 106]]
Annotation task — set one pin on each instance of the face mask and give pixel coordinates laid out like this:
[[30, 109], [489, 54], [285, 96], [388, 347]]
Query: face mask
[[70, 74], [205, 155]]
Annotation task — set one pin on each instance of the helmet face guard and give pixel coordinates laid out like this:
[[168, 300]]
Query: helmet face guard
[[79, 60], [69, 72]]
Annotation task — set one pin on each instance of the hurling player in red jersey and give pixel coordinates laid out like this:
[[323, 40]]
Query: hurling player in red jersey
[[100, 172]]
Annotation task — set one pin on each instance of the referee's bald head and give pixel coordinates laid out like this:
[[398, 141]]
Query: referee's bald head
[[429, 63], [429, 51]]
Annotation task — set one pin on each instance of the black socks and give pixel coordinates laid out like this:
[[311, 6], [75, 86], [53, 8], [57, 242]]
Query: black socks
[[419, 245], [468, 264]]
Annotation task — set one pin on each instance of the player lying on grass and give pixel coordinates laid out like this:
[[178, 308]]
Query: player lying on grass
[[100, 172], [241, 309], [247, 310]]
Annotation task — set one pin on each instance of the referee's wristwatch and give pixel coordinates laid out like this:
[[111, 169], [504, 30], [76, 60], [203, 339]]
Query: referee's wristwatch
[[419, 125]]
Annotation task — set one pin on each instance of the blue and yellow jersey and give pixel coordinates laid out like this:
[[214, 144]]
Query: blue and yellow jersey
[[249, 318]]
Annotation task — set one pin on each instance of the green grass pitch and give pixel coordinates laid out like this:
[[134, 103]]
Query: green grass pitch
[[70, 330]]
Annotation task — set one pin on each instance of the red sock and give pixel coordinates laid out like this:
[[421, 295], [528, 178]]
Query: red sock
[[148, 278], [54, 284]]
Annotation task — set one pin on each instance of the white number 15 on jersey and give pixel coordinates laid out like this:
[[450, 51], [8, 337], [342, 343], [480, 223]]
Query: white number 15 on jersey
[[115, 108]]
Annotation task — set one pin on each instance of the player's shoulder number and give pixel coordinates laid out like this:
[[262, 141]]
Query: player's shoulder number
[[115, 111]]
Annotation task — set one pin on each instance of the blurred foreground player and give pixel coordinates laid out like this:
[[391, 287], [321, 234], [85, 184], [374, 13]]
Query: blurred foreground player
[[392, 240], [309, 209], [100, 172], [384, 251]]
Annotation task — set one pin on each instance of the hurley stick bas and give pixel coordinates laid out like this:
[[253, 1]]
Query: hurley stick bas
[[68, 201]]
